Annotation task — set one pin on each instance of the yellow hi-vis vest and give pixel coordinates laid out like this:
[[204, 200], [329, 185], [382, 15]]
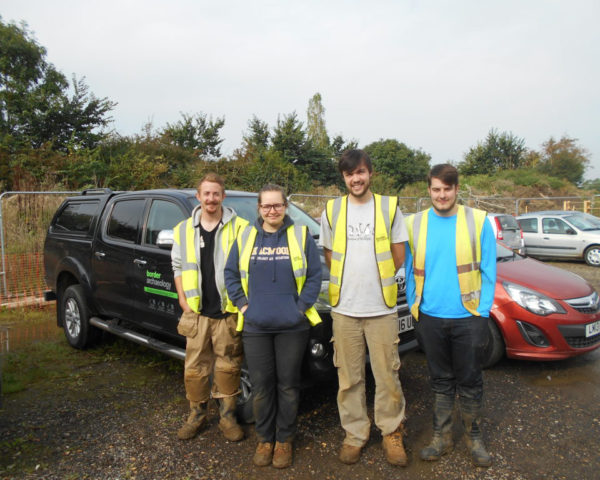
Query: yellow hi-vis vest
[[183, 235], [385, 211], [469, 224], [296, 236]]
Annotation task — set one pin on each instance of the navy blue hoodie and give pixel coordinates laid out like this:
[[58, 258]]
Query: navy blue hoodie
[[273, 303]]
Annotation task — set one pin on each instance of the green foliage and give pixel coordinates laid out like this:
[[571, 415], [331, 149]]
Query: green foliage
[[564, 159], [507, 182], [197, 133], [136, 171], [316, 131], [593, 184], [53, 135], [383, 185], [499, 151], [399, 163], [339, 145], [259, 168], [289, 139], [36, 107], [259, 135], [29, 366]]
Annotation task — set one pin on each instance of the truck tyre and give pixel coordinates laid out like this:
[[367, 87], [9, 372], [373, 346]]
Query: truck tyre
[[75, 317], [494, 350], [245, 399]]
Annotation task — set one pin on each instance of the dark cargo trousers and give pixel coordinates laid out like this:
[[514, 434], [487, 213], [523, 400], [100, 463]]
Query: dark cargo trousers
[[275, 363], [454, 347]]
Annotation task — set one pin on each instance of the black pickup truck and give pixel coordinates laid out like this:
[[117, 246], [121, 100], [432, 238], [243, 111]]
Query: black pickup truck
[[107, 259]]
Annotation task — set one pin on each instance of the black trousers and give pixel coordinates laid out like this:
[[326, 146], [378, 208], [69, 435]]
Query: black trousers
[[274, 363], [454, 347]]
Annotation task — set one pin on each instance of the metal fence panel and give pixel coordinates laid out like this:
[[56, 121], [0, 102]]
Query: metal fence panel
[[25, 216], [24, 220]]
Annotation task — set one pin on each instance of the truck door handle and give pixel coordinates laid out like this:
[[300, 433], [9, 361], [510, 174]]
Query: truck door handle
[[100, 255], [137, 261]]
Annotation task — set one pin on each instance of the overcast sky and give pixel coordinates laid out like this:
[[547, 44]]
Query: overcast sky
[[436, 75]]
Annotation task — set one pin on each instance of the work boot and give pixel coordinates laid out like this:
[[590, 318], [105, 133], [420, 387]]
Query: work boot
[[441, 442], [263, 454], [194, 422], [282, 456], [228, 422], [471, 418], [349, 454], [393, 446]]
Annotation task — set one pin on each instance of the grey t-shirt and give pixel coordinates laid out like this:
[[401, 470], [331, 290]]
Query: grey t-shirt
[[361, 294]]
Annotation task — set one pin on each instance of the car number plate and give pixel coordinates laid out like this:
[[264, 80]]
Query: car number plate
[[592, 329], [405, 323]]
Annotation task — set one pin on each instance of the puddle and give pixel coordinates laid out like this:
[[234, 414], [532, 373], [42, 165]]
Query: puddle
[[581, 371], [561, 380]]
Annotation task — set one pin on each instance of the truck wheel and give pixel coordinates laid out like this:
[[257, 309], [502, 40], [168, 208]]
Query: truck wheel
[[75, 316], [592, 255], [494, 350], [245, 399]]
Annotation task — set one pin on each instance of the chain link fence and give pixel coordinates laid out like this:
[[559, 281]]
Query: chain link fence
[[25, 217]]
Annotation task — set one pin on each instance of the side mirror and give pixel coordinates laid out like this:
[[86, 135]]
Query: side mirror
[[570, 231], [165, 239]]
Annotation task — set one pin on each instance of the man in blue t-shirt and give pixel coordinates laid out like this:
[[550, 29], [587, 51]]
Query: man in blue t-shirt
[[451, 278]]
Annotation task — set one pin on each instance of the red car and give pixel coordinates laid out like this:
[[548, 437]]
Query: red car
[[540, 312]]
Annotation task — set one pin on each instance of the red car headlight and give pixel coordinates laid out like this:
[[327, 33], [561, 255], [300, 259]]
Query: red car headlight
[[531, 300]]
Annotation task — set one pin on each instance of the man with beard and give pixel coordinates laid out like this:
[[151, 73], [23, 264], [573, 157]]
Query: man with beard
[[363, 237], [200, 248], [451, 277]]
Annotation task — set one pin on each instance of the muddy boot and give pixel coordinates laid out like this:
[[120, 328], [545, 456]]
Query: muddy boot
[[441, 443], [228, 423], [393, 447], [194, 423], [282, 456], [471, 417], [349, 454], [263, 455]]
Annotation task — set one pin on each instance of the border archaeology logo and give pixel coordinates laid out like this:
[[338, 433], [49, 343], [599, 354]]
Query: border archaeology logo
[[155, 284]]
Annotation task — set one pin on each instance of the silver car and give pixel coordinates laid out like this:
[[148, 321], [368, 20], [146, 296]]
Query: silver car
[[507, 231], [562, 234]]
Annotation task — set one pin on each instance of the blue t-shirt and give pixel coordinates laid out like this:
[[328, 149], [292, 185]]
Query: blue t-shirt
[[441, 292]]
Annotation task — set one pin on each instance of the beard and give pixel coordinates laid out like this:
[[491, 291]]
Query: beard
[[364, 190], [445, 209]]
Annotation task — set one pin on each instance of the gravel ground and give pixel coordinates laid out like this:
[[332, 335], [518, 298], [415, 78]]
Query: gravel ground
[[117, 418]]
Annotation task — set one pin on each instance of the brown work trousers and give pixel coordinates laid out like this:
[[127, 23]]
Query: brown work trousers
[[351, 337], [212, 346]]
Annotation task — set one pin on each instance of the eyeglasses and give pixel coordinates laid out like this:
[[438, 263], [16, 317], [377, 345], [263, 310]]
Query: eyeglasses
[[278, 207]]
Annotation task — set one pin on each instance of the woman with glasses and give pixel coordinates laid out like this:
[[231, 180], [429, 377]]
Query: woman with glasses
[[273, 276]]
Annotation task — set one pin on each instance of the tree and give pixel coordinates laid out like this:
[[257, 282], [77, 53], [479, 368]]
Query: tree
[[399, 163], [315, 124], [593, 184], [36, 105], [502, 151], [339, 145], [196, 132], [289, 139], [564, 159], [258, 134]]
